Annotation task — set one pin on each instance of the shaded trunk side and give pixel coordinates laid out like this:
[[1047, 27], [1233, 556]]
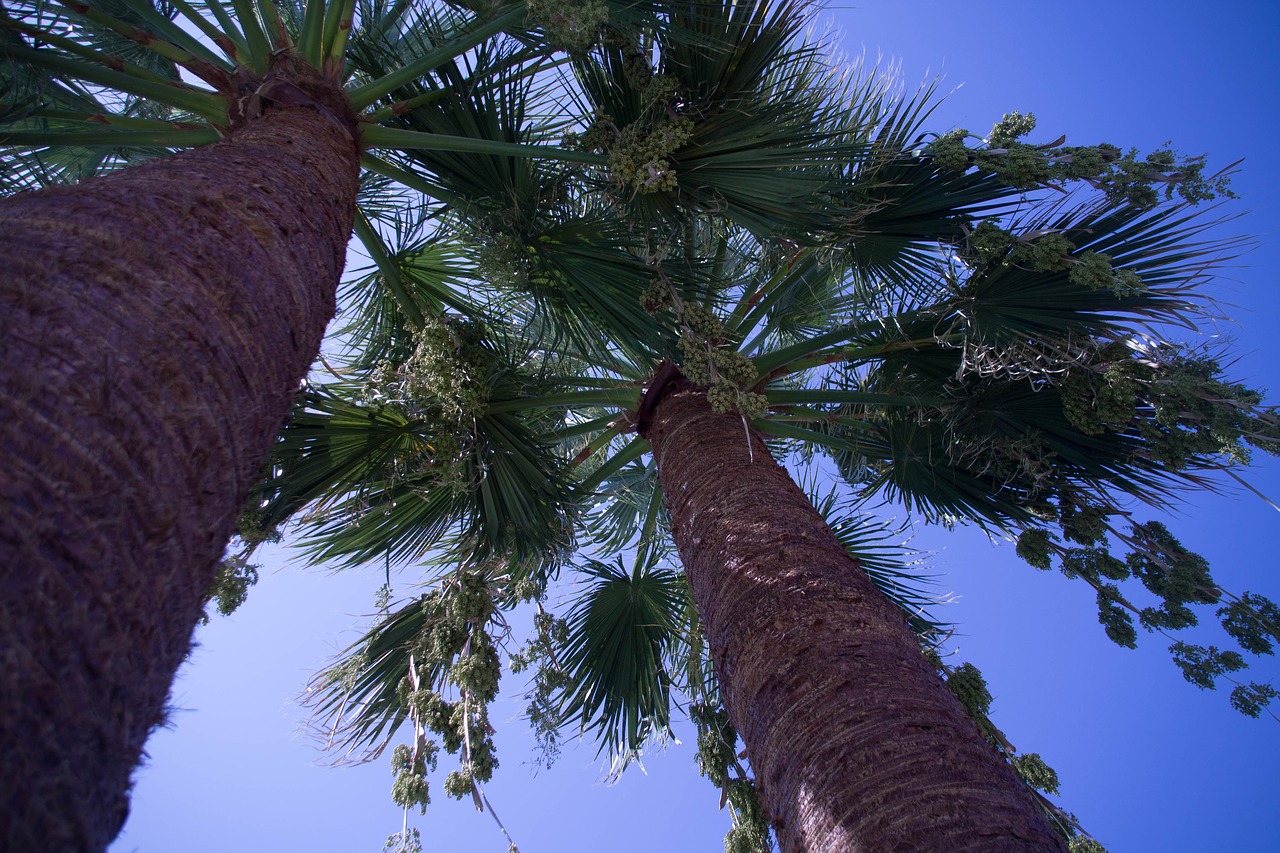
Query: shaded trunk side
[[856, 743], [157, 323]]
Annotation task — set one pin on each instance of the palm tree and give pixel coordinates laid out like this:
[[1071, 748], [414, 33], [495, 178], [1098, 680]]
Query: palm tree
[[832, 284], [165, 312]]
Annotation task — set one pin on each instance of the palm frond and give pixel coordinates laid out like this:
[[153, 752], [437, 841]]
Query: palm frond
[[629, 511], [621, 625], [332, 448], [416, 274], [356, 703], [496, 489], [1009, 300], [582, 275]]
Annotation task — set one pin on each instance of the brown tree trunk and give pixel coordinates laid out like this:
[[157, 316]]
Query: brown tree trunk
[[157, 323], [856, 743]]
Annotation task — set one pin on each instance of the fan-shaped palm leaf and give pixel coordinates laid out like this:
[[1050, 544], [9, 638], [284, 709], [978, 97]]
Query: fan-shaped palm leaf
[[620, 628]]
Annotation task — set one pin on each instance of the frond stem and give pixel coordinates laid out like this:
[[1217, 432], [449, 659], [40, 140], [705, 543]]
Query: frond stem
[[207, 71]]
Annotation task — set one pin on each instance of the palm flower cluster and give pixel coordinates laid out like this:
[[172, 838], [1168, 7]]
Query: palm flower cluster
[[717, 756], [708, 360], [1125, 177]]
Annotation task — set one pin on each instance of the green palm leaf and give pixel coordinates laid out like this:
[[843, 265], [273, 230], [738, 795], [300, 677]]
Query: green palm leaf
[[356, 703], [621, 625]]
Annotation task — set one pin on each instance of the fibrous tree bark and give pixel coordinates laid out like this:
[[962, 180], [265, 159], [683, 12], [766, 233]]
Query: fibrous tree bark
[[856, 743], [157, 323]]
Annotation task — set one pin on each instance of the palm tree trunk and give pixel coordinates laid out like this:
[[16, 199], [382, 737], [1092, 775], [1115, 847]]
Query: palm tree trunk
[[856, 743], [157, 323]]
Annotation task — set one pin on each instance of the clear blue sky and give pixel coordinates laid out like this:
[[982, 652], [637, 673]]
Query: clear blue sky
[[1147, 762]]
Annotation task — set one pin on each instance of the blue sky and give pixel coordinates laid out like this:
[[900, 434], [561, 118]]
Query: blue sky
[[1147, 762]]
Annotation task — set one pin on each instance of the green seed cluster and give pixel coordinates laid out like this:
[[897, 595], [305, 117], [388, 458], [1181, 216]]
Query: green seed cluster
[[1049, 253], [656, 296], [1125, 178], [1035, 545], [502, 257], [1010, 129], [470, 600], [707, 361], [1196, 414], [459, 784], [949, 151], [701, 335], [455, 648], [717, 752], [1132, 178], [734, 367], [702, 322], [410, 769], [723, 396], [348, 672], [478, 672], [1252, 698], [658, 89], [431, 710], [1035, 772], [525, 589], [1020, 166], [750, 830], [726, 396], [449, 369], [253, 529], [1178, 578], [1173, 574], [1176, 403], [968, 685], [636, 68], [1094, 563], [641, 157], [600, 135], [405, 841], [444, 383], [1105, 394], [441, 640], [1202, 665], [1252, 621], [231, 584], [1083, 522], [716, 742], [483, 759], [382, 386], [695, 362], [988, 243], [1095, 271], [573, 26]]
